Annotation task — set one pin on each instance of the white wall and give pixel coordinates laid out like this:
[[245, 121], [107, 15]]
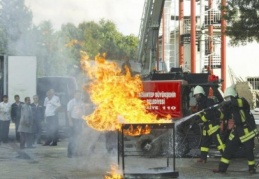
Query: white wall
[[21, 76]]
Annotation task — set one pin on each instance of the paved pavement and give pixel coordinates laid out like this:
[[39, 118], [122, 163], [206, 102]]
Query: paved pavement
[[93, 162]]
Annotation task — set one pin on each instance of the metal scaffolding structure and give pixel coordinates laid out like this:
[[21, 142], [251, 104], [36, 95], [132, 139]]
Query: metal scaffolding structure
[[179, 37]]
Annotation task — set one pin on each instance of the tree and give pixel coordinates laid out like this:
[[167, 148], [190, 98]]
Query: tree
[[15, 21], [103, 37], [243, 21]]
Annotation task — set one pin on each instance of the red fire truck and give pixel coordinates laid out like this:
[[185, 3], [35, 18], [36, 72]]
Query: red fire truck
[[171, 94]]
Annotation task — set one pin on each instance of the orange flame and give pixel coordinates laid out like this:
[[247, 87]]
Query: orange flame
[[115, 95], [114, 174], [73, 43]]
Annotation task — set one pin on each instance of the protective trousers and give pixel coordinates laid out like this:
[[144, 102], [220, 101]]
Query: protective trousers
[[231, 147], [210, 133]]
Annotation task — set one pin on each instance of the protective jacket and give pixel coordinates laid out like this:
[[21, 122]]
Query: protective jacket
[[211, 126], [244, 131], [239, 110], [211, 117]]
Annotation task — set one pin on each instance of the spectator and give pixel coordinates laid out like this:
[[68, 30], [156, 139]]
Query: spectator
[[75, 112], [16, 114], [26, 123], [38, 117], [5, 117], [52, 104]]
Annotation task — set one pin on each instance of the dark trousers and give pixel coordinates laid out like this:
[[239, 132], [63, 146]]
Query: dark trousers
[[4, 131], [17, 134], [75, 131], [25, 139], [52, 129], [206, 141], [231, 148], [37, 129]]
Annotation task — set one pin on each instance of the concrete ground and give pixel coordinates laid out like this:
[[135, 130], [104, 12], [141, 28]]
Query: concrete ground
[[93, 162]]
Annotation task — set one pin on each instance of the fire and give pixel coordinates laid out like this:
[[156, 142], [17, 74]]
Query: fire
[[73, 43], [115, 95], [114, 174]]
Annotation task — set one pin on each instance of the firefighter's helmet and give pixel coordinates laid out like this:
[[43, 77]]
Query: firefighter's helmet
[[198, 90], [230, 91]]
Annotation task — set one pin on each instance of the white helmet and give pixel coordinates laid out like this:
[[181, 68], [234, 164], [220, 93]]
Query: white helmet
[[198, 90], [230, 91]]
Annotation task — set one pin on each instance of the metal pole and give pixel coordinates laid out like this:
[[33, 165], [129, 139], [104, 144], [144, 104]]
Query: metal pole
[[210, 37], [223, 45], [122, 148], [202, 37], [181, 30], [174, 146], [163, 37], [193, 36], [118, 148]]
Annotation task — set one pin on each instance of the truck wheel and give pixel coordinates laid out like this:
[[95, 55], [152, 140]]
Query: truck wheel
[[148, 145]]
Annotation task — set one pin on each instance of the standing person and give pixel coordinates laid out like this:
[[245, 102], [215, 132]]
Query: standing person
[[26, 124], [16, 114], [211, 123], [38, 117], [75, 112], [52, 104], [5, 117], [243, 132]]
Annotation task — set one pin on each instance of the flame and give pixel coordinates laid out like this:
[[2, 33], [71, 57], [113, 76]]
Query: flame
[[115, 95], [74, 42], [114, 174]]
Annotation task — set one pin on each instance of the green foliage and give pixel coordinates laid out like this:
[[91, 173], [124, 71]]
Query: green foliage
[[243, 21], [58, 52]]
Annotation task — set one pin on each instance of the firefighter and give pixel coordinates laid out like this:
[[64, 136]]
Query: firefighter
[[243, 132], [211, 123]]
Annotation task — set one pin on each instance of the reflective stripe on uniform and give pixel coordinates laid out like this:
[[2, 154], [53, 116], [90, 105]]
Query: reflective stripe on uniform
[[248, 136], [203, 118], [204, 132], [224, 160], [251, 162], [231, 136], [221, 145], [204, 149], [221, 116], [240, 103], [212, 129], [242, 114]]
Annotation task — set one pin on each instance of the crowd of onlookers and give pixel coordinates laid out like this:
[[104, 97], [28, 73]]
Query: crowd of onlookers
[[28, 118]]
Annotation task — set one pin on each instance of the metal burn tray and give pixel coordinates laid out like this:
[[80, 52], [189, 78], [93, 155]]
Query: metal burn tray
[[139, 167]]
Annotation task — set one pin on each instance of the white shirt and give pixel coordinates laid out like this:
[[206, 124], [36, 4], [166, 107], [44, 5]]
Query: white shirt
[[51, 105], [5, 111], [76, 108]]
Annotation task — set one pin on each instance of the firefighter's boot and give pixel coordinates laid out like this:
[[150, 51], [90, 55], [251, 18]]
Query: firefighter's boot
[[252, 169]]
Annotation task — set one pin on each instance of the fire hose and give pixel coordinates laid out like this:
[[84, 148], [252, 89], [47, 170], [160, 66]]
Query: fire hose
[[186, 118], [148, 146]]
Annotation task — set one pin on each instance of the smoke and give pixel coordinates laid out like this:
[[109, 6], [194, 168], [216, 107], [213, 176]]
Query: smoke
[[126, 14], [91, 153]]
